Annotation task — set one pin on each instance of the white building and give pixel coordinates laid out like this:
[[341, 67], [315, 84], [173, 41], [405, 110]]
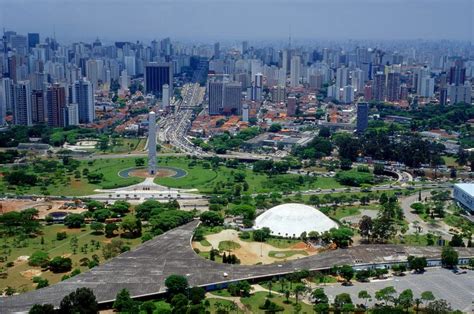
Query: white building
[[130, 65], [165, 97], [295, 71], [464, 194], [72, 114]]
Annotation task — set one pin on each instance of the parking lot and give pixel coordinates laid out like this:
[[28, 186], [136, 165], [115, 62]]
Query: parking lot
[[458, 290]]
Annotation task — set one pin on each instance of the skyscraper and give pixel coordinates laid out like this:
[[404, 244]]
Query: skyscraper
[[232, 100], [217, 50], [22, 104], [37, 107], [291, 106], [393, 86], [33, 40], [378, 87], [295, 71], [257, 86], [72, 114], [83, 96], [245, 112], [362, 117], [166, 97], [56, 104], [215, 93], [92, 72], [157, 75]]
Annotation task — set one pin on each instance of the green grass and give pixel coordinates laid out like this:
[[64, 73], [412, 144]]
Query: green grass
[[450, 161], [255, 300], [214, 302], [204, 242], [228, 245], [221, 293], [281, 243], [12, 247], [411, 239], [344, 211], [286, 254]]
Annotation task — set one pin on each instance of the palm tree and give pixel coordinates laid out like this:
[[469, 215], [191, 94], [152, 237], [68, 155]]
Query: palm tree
[[270, 285], [299, 289]]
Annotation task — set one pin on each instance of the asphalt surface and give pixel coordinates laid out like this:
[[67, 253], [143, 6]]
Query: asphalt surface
[[143, 271]]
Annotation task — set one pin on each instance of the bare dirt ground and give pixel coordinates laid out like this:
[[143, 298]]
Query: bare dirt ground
[[251, 253], [44, 207]]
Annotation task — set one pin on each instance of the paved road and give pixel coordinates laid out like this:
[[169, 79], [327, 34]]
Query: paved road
[[143, 270]]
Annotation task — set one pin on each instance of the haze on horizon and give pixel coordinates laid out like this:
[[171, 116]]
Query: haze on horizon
[[230, 20]]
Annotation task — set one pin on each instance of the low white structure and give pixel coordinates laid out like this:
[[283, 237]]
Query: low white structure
[[288, 220], [464, 194]]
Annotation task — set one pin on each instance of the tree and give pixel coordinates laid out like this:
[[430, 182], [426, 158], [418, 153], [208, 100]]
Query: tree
[[197, 295], [40, 282], [42, 309], [405, 299], [148, 307], [132, 225], [386, 294], [341, 300], [38, 258], [346, 272], [124, 303], [74, 220], [427, 296], [319, 296], [456, 241], [180, 303], [139, 162], [80, 301], [364, 295], [120, 207], [176, 284], [449, 257], [342, 236], [110, 230], [60, 264], [274, 128], [212, 219], [114, 248], [97, 227], [298, 290], [438, 307], [261, 235], [365, 226], [417, 264]]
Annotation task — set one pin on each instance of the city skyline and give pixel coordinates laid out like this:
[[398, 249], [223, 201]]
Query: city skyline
[[207, 20]]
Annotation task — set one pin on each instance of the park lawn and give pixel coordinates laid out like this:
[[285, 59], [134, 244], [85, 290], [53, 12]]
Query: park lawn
[[110, 169], [204, 242], [286, 254], [215, 304], [344, 211], [257, 299], [411, 239], [457, 221], [228, 245], [281, 243], [450, 161], [53, 247], [197, 176], [221, 293]]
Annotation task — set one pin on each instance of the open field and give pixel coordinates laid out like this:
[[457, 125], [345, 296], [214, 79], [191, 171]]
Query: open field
[[18, 250], [257, 299], [250, 252]]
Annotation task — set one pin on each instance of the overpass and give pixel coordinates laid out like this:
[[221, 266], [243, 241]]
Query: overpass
[[143, 270]]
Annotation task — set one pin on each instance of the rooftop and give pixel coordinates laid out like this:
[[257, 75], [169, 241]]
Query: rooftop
[[466, 187]]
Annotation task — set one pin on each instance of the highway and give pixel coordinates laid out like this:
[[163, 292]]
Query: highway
[[174, 127]]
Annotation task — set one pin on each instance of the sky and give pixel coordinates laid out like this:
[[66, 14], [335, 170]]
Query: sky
[[209, 20]]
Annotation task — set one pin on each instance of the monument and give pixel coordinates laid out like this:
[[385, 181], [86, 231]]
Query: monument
[[152, 143]]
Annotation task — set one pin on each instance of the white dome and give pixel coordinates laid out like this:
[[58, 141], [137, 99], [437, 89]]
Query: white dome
[[291, 219]]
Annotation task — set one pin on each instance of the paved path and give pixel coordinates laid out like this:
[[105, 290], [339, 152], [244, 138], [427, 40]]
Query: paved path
[[439, 227], [143, 270]]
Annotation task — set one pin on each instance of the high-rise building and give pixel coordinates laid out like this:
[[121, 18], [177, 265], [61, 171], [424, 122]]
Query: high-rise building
[[245, 112], [217, 50], [157, 75], [6, 97], [295, 71], [460, 93], [393, 86], [378, 87], [257, 87], [72, 114], [22, 104], [278, 94], [83, 96], [457, 73], [232, 100], [56, 104], [427, 87], [291, 106], [215, 93], [342, 77], [37, 107], [33, 40], [92, 72], [130, 65], [316, 81], [245, 46], [368, 92], [347, 94], [362, 117]]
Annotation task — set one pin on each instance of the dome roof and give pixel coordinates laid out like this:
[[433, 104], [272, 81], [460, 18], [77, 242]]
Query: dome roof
[[293, 219]]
